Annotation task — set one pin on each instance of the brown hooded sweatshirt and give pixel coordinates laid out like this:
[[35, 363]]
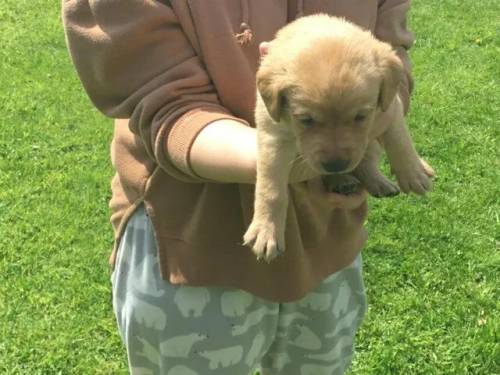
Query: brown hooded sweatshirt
[[173, 67]]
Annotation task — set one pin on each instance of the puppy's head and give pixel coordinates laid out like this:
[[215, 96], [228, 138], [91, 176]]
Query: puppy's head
[[328, 90]]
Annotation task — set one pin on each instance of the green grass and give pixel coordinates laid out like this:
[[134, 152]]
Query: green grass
[[431, 265]]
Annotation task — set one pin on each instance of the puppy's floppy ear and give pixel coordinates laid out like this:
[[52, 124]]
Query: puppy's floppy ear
[[392, 71], [271, 86]]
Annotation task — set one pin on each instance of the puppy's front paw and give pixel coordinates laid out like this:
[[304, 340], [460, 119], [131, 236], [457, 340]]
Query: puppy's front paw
[[265, 239], [414, 178]]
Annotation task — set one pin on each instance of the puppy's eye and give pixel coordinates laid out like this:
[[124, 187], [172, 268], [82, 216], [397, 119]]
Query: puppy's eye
[[360, 117], [307, 121]]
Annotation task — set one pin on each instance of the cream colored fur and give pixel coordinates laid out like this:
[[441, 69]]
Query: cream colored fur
[[320, 87]]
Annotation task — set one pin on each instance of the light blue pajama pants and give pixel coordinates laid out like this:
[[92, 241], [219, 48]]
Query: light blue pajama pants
[[180, 330]]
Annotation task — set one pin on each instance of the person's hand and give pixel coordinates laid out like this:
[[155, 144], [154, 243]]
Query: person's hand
[[347, 202]]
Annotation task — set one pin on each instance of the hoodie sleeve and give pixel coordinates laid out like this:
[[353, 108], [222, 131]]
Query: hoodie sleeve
[[391, 28], [135, 62]]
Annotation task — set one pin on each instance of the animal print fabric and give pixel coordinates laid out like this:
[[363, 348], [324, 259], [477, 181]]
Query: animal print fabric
[[181, 330]]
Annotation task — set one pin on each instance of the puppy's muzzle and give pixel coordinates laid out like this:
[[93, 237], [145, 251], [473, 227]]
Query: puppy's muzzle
[[336, 166]]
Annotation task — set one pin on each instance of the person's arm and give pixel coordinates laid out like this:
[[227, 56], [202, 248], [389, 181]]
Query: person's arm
[[136, 62], [391, 27], [226, 151]]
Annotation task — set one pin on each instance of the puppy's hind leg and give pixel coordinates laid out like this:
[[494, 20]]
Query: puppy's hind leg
[[412, 173], [370, 176], [266, 233]]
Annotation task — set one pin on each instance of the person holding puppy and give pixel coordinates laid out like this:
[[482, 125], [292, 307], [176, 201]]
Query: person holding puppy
[[179, 78]]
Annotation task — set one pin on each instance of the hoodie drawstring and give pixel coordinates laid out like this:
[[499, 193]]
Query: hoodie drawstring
[[245, 35]]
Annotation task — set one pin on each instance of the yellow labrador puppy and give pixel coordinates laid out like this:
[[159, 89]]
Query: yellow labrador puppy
[[320, 87]]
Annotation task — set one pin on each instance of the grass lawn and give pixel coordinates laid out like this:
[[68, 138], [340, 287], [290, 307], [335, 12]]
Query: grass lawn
[[432, 265]]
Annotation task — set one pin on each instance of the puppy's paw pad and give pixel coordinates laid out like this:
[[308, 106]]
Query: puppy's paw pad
[[345, 184]]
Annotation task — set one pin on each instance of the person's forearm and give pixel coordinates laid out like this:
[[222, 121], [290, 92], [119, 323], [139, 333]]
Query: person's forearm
[[226, 151]]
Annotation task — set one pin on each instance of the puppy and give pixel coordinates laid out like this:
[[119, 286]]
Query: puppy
[[320, 86]]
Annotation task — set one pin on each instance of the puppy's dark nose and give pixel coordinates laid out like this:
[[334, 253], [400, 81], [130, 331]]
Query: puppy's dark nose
[[336, 166]]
